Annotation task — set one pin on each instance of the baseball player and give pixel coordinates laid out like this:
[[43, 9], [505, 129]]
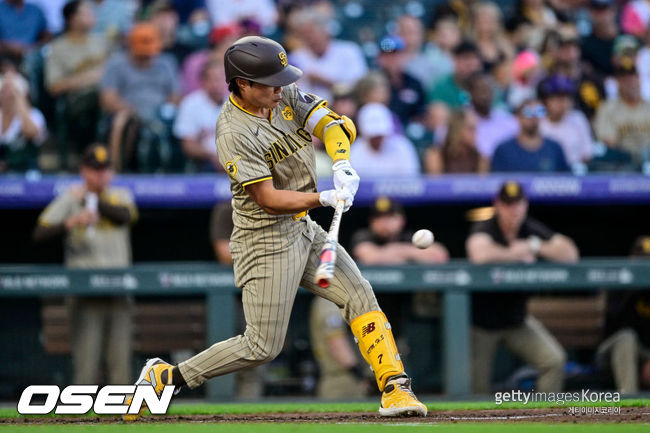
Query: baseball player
[[264, 142]]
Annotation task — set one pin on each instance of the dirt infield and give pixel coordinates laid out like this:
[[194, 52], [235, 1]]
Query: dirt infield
[[555, 415]]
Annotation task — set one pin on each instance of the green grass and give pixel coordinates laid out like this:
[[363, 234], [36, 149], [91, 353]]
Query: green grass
[[327, 428], [308, 407]]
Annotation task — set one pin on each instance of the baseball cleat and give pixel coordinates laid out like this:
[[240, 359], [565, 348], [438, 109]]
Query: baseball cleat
[[151, 374], [398, 399]]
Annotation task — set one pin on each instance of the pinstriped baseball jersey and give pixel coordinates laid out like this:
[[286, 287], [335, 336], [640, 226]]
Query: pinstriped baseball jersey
[[253, 149]]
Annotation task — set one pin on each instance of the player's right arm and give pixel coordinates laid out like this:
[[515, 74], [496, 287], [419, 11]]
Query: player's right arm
[[279, 201]]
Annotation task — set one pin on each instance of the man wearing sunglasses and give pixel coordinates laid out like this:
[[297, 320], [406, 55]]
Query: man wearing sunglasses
[[529, 151]]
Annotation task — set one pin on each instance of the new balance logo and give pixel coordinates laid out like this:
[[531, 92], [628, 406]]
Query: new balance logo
[[367, 329]]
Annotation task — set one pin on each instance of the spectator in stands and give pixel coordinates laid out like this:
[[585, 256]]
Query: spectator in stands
[[590, 91], [597, 47], [94, 220], [445, 37], [626, 351], [489, 36], [427, 62], [530, 22], [220, 39], [197, 115], [191, 11], [624, 123], [22, 28], [386, 242], [164, 16], [323, 60], [264, 12], [643, 66], [458, 154], [136, 87], [526, 72], [22, 127], [113, 18], [459, 11], [529, 151], [511, 236], [407, 96], [494, 124], [452, 89], [73, 70], [569, 127], [373, 87], [379, 149]]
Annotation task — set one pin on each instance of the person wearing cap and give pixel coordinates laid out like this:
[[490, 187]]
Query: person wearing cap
[[94, 219], [452, 89], [407, 97], [511, 236], [529, 151], [590, 89], [623, 123], [135, 88], [380, 149], [598, 46], [22, 127], [387, 242], [264, 141], [324, 61], [567, 126], [626, 348], [73, 70]]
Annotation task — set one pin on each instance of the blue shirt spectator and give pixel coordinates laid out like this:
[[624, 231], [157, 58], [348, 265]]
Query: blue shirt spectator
[[529, 151], [21, 26], [511, 156]]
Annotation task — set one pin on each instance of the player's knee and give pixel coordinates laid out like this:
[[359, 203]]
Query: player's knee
[[555, 359], [265, 352]]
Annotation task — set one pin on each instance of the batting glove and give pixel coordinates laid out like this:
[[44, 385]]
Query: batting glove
[[331, 197], [345, 176]]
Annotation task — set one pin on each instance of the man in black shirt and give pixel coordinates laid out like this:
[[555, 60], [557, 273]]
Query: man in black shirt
[[513, 237], [598, 47], [627, 349], [385, 242]]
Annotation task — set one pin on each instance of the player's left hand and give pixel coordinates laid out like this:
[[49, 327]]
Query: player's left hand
[[345, 176], [332, 196]]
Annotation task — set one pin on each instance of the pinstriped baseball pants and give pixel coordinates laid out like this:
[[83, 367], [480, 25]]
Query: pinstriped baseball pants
[[269, 279]]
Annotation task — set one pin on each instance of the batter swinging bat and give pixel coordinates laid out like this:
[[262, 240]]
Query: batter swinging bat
[[327, 260]]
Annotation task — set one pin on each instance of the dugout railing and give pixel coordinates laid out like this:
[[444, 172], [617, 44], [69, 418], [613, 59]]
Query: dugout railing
[[455, 281]]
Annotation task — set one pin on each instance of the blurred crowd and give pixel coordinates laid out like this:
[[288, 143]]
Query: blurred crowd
[[460, 86]]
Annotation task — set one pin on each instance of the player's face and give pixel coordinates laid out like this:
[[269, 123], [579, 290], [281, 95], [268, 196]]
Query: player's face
[[263, 96], [96, 180], [511, 214]]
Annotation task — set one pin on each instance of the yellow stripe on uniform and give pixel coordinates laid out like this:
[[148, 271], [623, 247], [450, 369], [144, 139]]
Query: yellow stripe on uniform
[[252, 181]]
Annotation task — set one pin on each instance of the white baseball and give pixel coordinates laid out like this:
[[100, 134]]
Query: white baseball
[[423, 238]]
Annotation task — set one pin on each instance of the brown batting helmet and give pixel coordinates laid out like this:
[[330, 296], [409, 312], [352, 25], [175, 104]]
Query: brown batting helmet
[[261, 60]]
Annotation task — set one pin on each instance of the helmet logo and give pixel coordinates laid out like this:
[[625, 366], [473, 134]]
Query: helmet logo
[[283, 58], [287, 113]]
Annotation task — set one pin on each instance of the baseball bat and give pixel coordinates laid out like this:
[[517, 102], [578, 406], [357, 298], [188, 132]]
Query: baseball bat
[[327, 260]]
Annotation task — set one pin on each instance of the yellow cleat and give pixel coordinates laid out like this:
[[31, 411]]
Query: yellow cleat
[[151, 374], [398, 399]]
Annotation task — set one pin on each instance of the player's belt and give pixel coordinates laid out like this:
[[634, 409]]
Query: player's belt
[[302, 214]]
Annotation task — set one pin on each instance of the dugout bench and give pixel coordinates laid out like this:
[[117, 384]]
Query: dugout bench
[[455, 281]]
